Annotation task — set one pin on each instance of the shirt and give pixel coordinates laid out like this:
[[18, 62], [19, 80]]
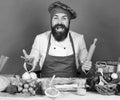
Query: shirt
[[62, 48], [39, 48]]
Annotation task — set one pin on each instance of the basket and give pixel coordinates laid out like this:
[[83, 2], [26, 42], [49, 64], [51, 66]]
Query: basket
[[106, 66]]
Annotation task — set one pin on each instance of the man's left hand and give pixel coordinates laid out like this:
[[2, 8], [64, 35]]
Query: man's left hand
[[86, 65]]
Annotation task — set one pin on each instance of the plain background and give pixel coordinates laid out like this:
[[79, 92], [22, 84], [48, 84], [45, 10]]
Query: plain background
[[22, 20]]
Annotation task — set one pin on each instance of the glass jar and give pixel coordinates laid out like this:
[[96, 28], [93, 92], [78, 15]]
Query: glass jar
[[81, 87]]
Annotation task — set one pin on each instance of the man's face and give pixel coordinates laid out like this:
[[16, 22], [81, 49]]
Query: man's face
[[60, 26]]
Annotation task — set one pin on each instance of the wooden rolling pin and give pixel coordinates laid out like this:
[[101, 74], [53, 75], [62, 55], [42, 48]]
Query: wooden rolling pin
[[91, 50]]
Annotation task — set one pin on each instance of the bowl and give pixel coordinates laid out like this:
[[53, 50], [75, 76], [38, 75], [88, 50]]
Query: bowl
[[52, 92]]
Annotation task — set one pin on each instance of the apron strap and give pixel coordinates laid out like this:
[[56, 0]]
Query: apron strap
[[71, 40], [48, 44]]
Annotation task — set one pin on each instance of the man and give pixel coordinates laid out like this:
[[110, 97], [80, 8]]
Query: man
[[60, 52]]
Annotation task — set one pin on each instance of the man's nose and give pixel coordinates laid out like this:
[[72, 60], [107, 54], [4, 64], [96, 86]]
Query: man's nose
[[59, 21]]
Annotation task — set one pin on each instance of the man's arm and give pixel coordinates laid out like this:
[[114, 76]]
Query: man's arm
[[86, 65], [32, 59]]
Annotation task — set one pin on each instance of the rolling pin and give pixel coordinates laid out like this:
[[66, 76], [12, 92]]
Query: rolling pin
[[91, 50]]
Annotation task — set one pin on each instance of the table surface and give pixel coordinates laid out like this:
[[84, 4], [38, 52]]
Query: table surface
[[62, 96]]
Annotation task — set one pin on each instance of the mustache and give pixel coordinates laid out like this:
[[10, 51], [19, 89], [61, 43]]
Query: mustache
[[59, 26], [59, 36]]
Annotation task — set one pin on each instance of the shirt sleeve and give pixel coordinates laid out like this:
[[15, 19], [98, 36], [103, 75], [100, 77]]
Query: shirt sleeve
[[35, 51], [83, 50]]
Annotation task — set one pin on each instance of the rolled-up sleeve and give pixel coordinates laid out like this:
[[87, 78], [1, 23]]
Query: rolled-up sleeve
[[35, 51], [83, 50]]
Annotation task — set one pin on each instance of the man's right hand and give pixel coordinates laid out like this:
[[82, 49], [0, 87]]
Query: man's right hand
[[27, 58], [28, 61]]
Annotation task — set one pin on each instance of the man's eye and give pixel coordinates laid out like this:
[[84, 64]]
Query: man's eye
[[65, 18], [55, 18]]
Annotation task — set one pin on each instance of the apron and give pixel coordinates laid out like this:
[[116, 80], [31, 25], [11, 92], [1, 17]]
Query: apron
[[59, 66]]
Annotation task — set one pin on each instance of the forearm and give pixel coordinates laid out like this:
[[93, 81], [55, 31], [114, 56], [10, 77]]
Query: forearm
[[34, 54]]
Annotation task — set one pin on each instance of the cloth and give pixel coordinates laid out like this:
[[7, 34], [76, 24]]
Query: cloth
[[59, 66], [63, 48], [54, 6], [39, 48], [59, 10]]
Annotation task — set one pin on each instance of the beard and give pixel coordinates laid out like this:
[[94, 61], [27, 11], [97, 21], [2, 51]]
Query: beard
[[60, 32]]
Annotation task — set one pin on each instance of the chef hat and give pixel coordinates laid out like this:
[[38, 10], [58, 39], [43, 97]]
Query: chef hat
[[58, 7]]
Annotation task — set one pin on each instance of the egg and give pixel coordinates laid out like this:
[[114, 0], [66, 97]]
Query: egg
[[114, 76]]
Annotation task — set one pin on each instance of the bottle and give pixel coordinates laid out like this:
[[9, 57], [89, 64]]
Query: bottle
[[118, 65], [81, 88]]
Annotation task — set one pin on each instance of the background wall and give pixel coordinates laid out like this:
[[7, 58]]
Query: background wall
[[22, 20]]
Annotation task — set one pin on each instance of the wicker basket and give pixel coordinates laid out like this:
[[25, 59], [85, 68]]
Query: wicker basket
[[106, 66]]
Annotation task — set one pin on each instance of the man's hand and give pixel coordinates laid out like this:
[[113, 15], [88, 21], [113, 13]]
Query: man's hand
[[26, 57], [28, 61], [86, 65]]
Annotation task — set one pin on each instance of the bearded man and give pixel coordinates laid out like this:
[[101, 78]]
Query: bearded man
[[60, 51]]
